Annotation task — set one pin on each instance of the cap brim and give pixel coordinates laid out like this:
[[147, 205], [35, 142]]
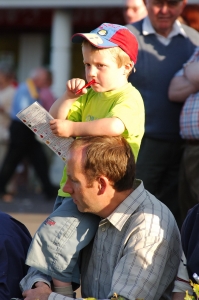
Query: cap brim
[[94, 39]]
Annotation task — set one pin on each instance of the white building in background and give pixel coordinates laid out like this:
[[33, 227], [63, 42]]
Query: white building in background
[[38, 32]]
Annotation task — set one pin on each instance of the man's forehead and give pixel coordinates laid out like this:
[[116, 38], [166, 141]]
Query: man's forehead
[[75, 155]]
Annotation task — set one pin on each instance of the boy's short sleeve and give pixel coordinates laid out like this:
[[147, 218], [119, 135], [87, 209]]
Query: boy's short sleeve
[[75, 113], [129, 108]]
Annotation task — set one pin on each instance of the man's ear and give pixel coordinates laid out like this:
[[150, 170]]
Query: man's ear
[[184, 3], [102, 184]]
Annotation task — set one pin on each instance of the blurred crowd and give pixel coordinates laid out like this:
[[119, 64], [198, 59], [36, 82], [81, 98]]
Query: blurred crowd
[[23, 158]]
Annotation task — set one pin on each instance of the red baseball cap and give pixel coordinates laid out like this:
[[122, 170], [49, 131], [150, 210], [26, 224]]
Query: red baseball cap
[[110, 35]]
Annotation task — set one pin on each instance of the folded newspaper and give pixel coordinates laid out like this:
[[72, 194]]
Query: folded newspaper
[[37, 119]]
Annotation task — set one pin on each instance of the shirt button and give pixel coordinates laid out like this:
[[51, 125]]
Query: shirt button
[[103, 229]]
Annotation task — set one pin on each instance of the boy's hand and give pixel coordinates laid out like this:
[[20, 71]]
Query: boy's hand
[[41, 292], [61, 128], [74, 85]]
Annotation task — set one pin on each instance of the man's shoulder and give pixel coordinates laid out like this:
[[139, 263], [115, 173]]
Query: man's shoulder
[[10, 226], [4, 217], [154, 205], [6, 225], [191, 219], [190, 29], [157, 213], [135, 27], [192, 34]]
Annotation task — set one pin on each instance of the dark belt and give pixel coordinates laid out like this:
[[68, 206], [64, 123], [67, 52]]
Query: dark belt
[[192, 142]]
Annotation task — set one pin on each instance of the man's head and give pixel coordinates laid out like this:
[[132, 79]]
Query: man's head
[[101, 173], [42, 77], [134, 10], [163, 14]]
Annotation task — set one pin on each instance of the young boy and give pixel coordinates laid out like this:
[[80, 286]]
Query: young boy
[[113, 107]]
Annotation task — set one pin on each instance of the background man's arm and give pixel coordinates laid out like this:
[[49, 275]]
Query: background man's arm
[[191, 71], [181, 87]]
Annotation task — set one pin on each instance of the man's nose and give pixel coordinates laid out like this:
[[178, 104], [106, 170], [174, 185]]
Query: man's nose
[[164, 8], [67, 188]]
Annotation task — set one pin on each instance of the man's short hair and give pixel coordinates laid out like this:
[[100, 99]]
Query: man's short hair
[[108, 156]]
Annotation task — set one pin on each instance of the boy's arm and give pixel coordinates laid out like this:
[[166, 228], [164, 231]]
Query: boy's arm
[[181, 87], [106, 126], [61, 107]]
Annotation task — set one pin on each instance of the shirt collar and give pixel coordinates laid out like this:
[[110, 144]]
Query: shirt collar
[[122, 213], [147, 29]]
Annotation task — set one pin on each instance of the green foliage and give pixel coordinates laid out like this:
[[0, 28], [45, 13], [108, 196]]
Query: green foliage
[[195, 288], [188, 297]]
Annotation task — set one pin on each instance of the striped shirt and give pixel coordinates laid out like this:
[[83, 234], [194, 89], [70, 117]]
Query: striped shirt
[[135, 253], [189, 118]]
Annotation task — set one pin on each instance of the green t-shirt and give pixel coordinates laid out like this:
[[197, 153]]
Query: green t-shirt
[[124, 103]]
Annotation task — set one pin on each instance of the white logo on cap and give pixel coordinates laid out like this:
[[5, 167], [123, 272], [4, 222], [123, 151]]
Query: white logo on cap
[[103, 32]]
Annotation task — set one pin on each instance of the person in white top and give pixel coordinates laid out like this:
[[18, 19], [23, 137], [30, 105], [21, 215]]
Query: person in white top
[[7, 91]]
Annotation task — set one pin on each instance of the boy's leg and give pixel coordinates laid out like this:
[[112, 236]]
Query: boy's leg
[[56, 245], [58, 202], [63, 288]]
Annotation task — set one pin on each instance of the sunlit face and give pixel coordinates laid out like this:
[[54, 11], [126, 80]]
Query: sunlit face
[[102, 66], [84, 196], [134, 10], [40, 79], [163, 14]]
